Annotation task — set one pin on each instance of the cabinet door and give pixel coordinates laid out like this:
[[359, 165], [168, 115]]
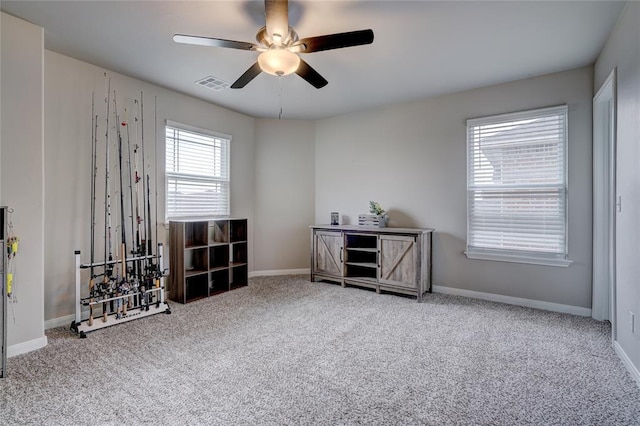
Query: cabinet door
[[398, 261], [327, 249]]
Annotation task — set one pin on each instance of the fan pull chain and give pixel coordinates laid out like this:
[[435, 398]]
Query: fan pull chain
[[280, 97]]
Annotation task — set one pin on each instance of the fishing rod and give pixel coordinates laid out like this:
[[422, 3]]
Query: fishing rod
[[152, 265], [108, 255], [123, 287], [139, 247], [133, 278], [137, 179], [145, 219], [155, 145], [149, 241], [158, 273], [134, 249], [94, 141]]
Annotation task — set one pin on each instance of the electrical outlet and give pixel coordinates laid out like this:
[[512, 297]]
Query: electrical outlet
[[632, 318]]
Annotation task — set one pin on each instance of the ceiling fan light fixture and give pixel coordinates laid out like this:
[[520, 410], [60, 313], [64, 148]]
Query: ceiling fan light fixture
[[278, 62], [279, 46]]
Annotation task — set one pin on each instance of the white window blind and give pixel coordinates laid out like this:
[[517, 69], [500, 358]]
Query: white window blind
[[197, 168], [516, 186]]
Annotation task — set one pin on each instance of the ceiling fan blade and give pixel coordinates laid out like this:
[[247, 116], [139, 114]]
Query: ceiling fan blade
[[335, 41], [305, 71], [277, 17], [215, 42], [248, 75]]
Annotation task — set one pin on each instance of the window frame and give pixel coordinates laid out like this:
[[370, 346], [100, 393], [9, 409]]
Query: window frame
[[193, 178], [547, 258]]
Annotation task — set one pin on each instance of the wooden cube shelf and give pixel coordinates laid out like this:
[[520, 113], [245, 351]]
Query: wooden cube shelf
[[207, 257]]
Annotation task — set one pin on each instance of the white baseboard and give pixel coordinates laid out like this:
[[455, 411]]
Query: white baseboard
[[28, 346], [633, 370], [529, 303], [279, 272], [59, 322]]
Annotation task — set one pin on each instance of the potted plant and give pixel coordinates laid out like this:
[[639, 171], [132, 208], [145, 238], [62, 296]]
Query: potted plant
[[376, 209]]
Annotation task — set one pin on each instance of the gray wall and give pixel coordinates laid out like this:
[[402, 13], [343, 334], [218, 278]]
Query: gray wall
[[22, 175], [285, 196], [622, 52], [411, 158]]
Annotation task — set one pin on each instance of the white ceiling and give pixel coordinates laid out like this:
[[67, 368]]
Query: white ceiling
[[421, 48]]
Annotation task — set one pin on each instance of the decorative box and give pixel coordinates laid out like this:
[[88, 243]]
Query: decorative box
[[376, 220]]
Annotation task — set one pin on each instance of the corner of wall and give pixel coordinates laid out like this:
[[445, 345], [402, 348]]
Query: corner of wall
[[22, 171]]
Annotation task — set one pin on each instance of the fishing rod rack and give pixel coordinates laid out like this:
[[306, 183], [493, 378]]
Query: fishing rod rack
[[120, 299], [129, 283]]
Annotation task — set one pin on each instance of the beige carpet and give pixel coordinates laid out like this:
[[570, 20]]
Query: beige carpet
[[287, 351]]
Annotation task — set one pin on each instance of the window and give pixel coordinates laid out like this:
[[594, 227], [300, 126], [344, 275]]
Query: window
[[197, 164], [517, 187]]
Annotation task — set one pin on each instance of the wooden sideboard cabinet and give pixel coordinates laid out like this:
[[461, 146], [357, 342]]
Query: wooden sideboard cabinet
[[207, 257], [386, 259]]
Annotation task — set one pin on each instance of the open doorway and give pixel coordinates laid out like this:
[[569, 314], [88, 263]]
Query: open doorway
[[604, 201]]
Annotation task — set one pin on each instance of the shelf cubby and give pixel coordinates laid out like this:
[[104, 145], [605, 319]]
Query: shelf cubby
[[195, 260], [219, 256], [195, 234], [361, 270], [218, 281], [362, 256], [239, 253], [361, 241], [239, 277], [196, 287], [219, 231], [238, 230]]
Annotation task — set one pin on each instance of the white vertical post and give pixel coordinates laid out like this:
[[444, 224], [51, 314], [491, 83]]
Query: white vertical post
[[78, 288], [161, 268]]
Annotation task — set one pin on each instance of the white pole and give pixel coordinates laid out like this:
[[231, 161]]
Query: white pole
[[161, 267], [78, 284]]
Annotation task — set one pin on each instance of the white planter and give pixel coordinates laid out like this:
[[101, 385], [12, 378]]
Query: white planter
[[376, 220]]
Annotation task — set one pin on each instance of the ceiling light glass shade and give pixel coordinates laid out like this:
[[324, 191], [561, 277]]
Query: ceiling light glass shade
[[278, 62]]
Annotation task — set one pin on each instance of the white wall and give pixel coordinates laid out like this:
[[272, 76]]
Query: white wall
[[285, 193], [411, 158], [22, 175], [68, 87], [622, 52]]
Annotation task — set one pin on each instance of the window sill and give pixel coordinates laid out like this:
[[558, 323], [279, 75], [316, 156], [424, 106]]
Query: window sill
[[499, 257]]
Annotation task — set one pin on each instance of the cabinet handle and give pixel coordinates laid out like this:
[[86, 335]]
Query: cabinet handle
[[341, 248]]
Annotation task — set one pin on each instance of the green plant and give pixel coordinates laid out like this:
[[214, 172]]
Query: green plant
[[375, 208]]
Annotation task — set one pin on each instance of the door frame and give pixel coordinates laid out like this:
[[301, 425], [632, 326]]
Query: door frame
[[604, 202]]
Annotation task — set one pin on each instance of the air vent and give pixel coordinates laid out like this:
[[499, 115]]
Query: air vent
[[213, 83]]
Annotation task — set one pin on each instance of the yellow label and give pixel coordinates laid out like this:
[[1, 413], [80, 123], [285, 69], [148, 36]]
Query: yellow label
[[9, 282], [14, 247]]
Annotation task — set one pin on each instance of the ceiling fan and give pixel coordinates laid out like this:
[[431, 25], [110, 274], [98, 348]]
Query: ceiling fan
[[279, 45]]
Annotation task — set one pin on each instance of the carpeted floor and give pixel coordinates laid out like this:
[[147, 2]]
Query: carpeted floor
[[287, 351]]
